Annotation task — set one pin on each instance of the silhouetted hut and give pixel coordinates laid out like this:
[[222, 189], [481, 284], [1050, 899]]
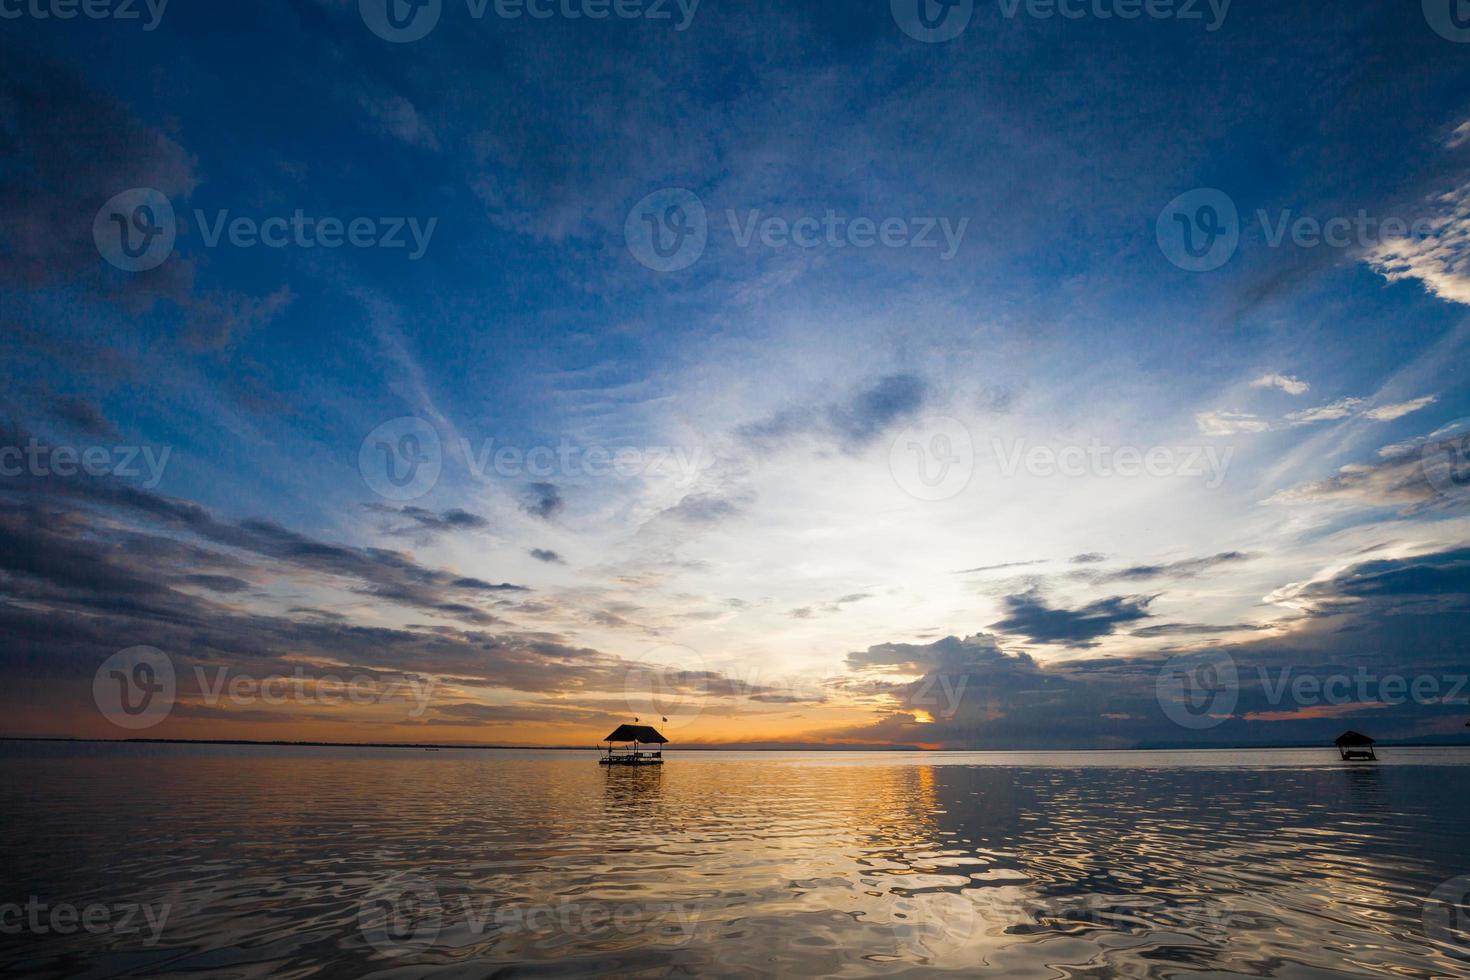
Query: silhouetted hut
[[625, 747], [1355, 745]]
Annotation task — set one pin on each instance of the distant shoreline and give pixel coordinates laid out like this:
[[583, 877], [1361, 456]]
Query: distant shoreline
[[699, 747]]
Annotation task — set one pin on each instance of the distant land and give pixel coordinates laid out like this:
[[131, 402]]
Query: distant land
[[1462, 742]]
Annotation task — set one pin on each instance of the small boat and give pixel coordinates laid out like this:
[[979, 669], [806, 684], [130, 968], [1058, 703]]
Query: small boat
[[625, 747]]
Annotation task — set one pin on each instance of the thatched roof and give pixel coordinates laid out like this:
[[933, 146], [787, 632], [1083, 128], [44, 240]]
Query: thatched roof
[[637, 733], [1353, 738]]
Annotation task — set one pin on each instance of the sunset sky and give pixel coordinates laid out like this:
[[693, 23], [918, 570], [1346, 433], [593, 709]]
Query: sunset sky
[[969, 481]]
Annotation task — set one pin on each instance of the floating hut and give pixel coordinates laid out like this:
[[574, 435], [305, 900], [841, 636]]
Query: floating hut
[[625, 747], [1355, 746]]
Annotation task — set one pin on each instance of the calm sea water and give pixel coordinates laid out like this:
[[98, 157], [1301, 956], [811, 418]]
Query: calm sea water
[[291, 862]]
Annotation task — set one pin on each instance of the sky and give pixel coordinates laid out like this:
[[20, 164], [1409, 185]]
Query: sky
[[984, 375]]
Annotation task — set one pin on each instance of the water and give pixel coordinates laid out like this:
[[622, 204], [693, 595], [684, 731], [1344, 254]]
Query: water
[[297, 862]]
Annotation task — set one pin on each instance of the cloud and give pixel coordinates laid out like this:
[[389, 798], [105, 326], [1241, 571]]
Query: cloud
[[70, 149], [1384, 618], [1218, 423], [88, 568], [215, 318], [1029, 615], [971, 693], [828, 608], [378, 572], [425, 523], [1004, 565], [1192, 629], [1389, 586], [853, 423], [1421, 475], [1287, 383], [396, 117], [706, 508], [546, 555], [914, 658], [1340, 409], [543, 500], [83, 416], [1388, 413], [1230, 423], [870, 413], [1440, 260], [1188, 568]]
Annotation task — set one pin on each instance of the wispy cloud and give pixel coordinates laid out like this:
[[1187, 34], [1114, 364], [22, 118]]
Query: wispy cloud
[[1439, 260], [1387, 413], [1288, 384], [1029, 615]]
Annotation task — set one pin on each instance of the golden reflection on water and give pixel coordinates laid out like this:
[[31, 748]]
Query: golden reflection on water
[[337, 862]]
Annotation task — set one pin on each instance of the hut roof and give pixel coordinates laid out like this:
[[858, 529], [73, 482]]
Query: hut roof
[[1353, 738], [636, 733]]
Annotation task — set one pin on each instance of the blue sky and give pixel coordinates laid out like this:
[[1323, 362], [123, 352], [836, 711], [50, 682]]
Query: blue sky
[[766, 551]]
